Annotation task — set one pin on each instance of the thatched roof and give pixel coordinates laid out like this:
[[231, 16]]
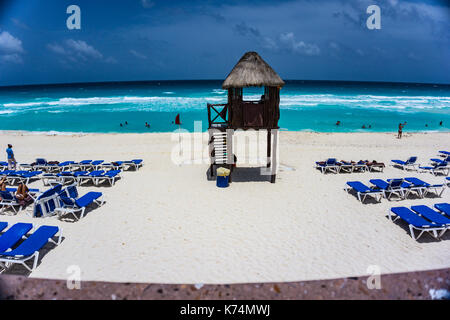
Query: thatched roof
[[252, 71]]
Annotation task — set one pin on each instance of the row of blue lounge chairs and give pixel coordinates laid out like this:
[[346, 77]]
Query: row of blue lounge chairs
[[400, 188], [424, 219], [85, 165], [55, 201], [13, 176], [13, 251], [437, 166], [334, 166], [97, 177]]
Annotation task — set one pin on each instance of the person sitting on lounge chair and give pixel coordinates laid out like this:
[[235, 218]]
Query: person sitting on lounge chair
[[22, 195], [3, 184]]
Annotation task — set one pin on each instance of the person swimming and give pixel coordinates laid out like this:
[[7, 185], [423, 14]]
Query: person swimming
[[338, 123]]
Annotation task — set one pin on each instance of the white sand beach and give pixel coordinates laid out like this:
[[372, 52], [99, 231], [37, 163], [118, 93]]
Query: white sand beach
[[167, 224]]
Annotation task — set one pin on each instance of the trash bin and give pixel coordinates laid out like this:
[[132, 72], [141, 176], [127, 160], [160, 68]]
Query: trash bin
[[223, 177]]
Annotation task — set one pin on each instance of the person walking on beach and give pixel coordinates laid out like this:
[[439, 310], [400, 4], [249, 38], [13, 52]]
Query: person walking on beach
[[400, 129], [11, 159]]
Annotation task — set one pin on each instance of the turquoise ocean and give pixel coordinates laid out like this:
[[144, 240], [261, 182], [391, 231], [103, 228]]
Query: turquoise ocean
[[305, 106]]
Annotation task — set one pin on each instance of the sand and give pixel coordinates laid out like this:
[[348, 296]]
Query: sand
[[167, 224]]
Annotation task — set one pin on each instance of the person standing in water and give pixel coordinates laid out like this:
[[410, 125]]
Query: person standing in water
[[11, 158], [400, 129]]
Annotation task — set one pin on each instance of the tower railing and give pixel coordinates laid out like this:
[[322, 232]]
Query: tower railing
[[217, 115]]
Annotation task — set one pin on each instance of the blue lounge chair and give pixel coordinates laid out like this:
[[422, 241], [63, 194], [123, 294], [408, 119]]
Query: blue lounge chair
[[26, 177], [6, 172], [50, 179], [115, 165], [33, 193], [13, 177], [29, 248], [13, 235], [392, 187], [442, 167], [346, 166], [425, 188], [97, 164], [78, 205], [8, 200], [26, 166], [65, 166], [436, 160], [80, 165], [362, 191], [443, 207], [46, 203], [330, 164], [405, 165], [109, 176], [84, 178], [68, 177], [3, 225], [416, 222], [70, 192], [85, 165], [136, 164], [445, 153], [40, 164], [3, 165], [431, 215]]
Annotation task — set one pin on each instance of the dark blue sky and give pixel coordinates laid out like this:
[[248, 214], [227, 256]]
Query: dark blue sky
[[164, 40]]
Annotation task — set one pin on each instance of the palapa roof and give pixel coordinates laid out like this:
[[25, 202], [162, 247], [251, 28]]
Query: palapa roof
[[252, 71]]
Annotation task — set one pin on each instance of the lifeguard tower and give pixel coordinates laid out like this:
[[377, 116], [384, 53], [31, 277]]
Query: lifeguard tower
[[224, 119]]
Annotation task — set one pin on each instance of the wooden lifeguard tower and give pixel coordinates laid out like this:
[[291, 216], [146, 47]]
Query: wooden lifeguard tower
[[224, 119]]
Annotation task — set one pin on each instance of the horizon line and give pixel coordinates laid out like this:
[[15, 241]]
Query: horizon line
[[200, 80]]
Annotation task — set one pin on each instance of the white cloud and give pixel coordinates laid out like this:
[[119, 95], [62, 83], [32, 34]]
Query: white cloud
[[10, 44], [83, 49], [11, 49], [77, 51], [56, 48], [20, 24], [11, 58], [288, 39], [147, 4], [138, 54], [111, 60]]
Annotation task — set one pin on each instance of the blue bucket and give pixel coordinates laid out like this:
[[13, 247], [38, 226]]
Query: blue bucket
[[222, 182]]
